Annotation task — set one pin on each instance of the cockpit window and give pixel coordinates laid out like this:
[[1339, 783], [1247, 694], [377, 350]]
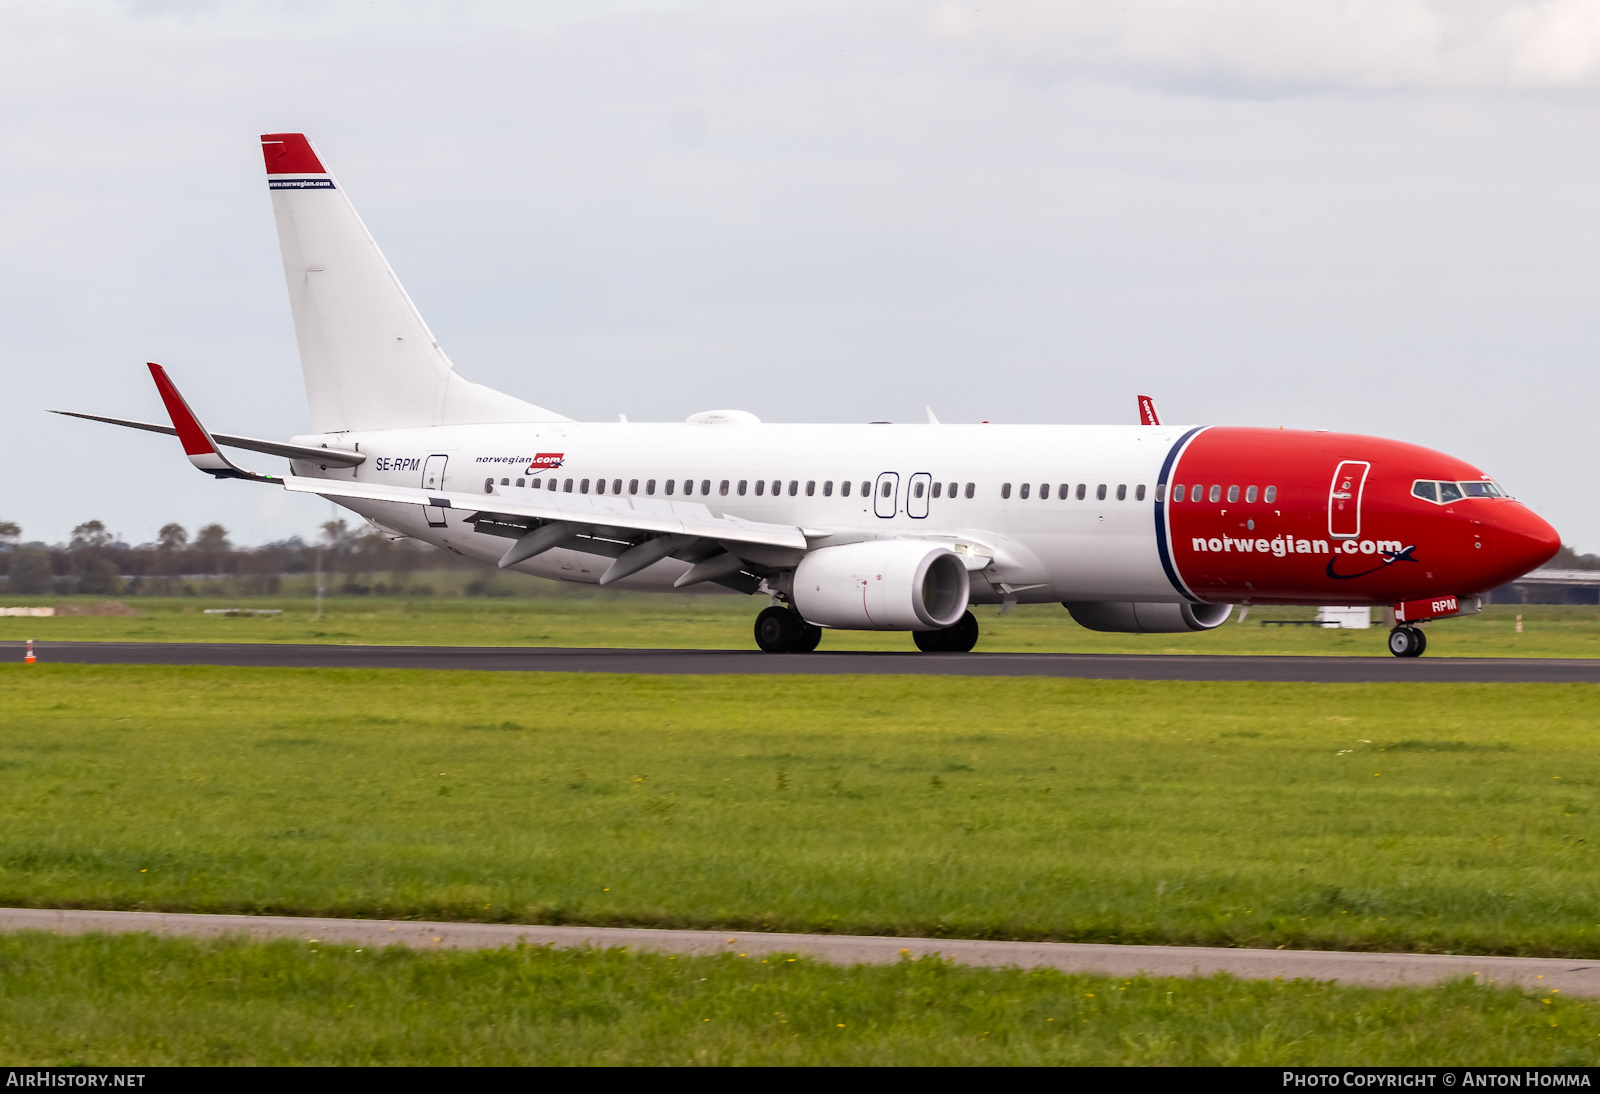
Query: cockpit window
[[1443, 493]]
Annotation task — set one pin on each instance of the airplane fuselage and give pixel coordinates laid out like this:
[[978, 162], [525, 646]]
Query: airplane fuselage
[[1053, 513]]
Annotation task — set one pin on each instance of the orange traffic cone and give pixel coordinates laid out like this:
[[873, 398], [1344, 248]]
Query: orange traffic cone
[[29, 658]]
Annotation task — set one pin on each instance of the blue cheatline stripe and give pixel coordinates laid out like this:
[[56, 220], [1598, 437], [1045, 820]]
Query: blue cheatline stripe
[[300, 184], [1161, 515]]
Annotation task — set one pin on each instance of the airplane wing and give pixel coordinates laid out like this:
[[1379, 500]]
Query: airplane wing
[[657, 517]]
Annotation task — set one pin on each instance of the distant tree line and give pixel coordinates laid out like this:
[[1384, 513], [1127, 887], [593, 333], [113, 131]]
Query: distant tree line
[[353, 561]]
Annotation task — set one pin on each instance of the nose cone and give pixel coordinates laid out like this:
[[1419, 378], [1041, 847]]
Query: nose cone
[[1521, 541]]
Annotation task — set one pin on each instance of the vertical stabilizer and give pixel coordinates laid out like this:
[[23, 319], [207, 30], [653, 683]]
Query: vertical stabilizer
[[370, 362]]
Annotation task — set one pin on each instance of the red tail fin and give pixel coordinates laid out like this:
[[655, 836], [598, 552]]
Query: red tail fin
[[1147, 411]]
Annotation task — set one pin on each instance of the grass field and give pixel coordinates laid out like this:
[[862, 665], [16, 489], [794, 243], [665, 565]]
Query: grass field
[[135, 1001], [603, 618], [1403, 817]]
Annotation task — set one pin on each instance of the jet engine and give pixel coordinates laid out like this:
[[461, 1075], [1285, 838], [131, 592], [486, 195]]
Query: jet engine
[[1142, 618], [882, 585]]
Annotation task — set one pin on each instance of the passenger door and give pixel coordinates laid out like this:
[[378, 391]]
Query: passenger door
[[433, 479], [886, 494], [1344, 499]]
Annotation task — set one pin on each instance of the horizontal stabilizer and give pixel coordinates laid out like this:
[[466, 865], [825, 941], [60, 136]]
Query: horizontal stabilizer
[[652, 515], [334, 457]]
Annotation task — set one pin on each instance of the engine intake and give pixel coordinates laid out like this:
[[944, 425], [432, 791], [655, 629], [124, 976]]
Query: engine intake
[[882, 585], [1144, 618]]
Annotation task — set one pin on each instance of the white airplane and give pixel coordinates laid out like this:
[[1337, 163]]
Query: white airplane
[[1147, 528]]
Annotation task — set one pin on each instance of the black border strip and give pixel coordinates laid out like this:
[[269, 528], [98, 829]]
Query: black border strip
[[1161, 514]]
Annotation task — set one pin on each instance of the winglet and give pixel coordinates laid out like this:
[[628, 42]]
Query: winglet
[[1147, 411], [197, 443]]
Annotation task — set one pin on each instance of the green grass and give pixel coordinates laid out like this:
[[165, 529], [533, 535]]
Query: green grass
[[603, 618], [136, 1000], [1403, 817]]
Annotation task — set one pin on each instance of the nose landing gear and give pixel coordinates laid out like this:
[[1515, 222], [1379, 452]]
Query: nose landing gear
[[781, 630], [1407, 642]]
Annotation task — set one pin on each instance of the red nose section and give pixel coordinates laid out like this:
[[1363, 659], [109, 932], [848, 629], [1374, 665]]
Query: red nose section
[[1520, 540]]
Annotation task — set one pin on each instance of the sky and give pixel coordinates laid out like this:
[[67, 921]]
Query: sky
[[1376, 217]]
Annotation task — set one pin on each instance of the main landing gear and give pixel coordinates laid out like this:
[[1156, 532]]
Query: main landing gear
[[1407, 642], [781, 630], [959, 638]]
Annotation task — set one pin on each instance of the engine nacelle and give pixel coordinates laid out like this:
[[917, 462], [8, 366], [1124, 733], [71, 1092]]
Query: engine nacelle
[[1143, 618], [882, 585]]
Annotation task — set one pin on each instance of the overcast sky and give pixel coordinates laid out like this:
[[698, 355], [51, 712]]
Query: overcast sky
[[1378, 217]]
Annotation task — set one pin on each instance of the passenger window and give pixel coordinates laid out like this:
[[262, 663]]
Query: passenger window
[[1161, 491], [827, 489], [1448, 492], [761, 487], [566, 487], [1122, 491], [866, 488], [600, 486], [1271, 495], [723, 489], [1005, 490], [671, 485], [844, 489], [953, 489], [535, 483], [794, 487], [688, 487], [1083, 490], [811, 488], [917, 490], [1233, 494], [938, 488], [1024, 490], [583, 487], [1044, 491], [505, 482], [1100, 492], [522, 482], [1177, 493], [743, 483], [1216, 493], [633, 486], [705, 486], [488, 486], [972, 488], [1427, 491], [616, 486], [1063, 490], [1250, 495], [650, 486], [1138, 492]]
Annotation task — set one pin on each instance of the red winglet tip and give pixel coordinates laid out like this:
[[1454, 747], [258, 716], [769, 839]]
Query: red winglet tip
[[290, 154], [191, 433]]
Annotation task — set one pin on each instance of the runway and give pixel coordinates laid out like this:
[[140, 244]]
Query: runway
[[1087, 666], [1570, 977]]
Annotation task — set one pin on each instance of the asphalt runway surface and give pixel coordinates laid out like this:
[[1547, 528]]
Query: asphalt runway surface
[[1090, 666], [1571, 977]]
